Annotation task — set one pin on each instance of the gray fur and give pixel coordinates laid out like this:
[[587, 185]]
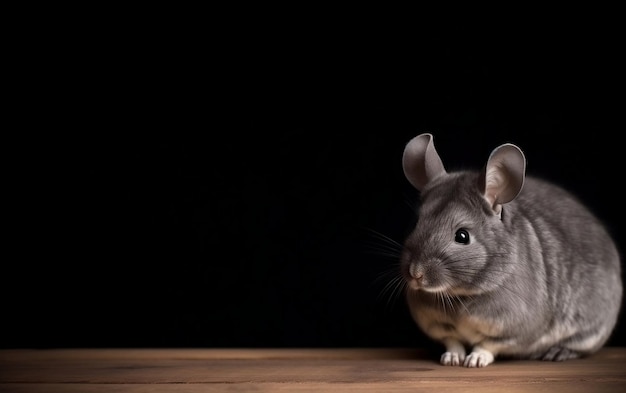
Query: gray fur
[[539, 279]]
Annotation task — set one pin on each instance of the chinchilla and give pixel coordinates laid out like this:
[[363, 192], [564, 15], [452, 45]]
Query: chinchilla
[[505, 264]]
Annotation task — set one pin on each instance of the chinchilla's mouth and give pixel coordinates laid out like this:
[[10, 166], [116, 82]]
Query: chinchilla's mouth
[[438, 289], [415, 285]]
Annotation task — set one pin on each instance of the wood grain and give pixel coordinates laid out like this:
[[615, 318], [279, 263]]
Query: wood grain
[[295, 370]]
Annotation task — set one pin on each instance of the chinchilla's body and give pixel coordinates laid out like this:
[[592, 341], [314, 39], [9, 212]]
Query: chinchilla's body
[[505, 264]]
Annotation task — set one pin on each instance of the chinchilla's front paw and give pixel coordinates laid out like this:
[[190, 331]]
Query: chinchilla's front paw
[[478, 358], [452, 358]]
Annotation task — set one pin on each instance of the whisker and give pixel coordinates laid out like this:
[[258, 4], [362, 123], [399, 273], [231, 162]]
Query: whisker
[[386, 239], [400, 288], [394, 285], [458, 298], [390, 272], [410, 203], [450, 302], [384, 246], [388, 253], [468, 271], [387, 247], [443, 304], [518, 295]]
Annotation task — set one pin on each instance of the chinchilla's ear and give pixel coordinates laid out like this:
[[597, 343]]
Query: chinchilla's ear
[[420, 161], [503, 176]]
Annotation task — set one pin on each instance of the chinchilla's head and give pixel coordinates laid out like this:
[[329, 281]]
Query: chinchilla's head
[[459, 245]]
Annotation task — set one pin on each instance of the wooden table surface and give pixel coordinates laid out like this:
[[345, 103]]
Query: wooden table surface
[[295, 370]]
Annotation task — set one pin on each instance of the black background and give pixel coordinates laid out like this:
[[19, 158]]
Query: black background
[[191, 190]]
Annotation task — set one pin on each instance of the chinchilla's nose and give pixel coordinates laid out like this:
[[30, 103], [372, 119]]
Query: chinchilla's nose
[[417, 273]]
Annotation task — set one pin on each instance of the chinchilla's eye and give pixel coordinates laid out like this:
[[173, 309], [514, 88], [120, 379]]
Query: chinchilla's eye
[[462, 236]]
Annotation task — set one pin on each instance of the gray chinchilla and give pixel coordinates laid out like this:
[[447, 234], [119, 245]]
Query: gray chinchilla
[[504, 263]]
